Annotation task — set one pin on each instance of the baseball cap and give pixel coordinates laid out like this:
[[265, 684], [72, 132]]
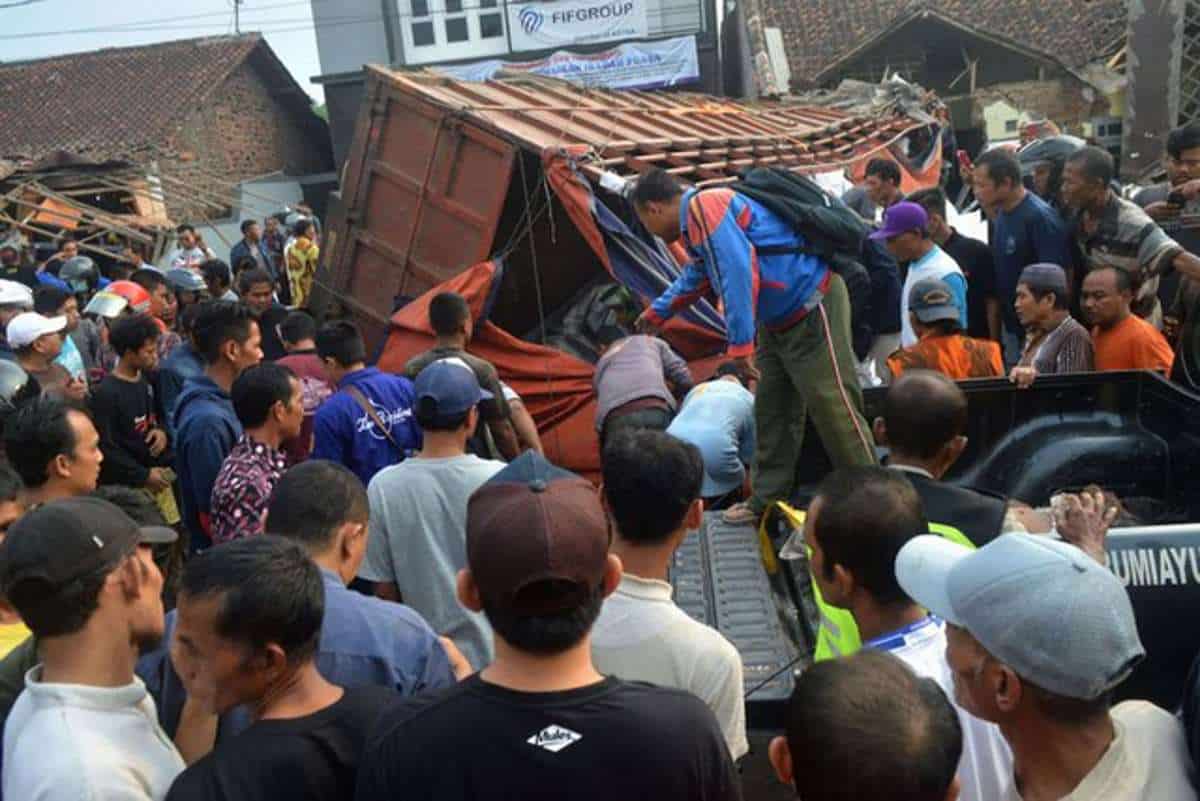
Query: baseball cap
[[531, 523], [14, 293], [1045, 278], [901, 218], [64, 541], [447, 387], [26, 327], [931, 299], [1043, 607]]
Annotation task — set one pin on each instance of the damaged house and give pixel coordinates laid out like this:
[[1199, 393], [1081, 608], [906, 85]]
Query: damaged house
[[206, 117], [993, 63]]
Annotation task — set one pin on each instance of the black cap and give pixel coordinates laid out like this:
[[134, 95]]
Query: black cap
[[66, 540]]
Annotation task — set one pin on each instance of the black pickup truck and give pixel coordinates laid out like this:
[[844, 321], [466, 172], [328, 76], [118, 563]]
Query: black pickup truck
[[1132, 433]]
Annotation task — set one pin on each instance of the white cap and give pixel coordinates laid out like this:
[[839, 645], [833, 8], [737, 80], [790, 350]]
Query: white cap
[[14, 293], [26, 327]]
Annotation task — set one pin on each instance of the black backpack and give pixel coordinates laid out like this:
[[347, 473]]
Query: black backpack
[[828, 226], [831, 231]]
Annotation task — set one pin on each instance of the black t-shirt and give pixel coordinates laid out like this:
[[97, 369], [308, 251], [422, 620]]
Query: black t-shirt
[[268, 325], [608, 741], [124, 412], [975, 260], [313, 758], [23, 274]]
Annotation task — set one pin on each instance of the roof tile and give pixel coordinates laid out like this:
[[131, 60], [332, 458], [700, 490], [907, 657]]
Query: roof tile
[[111, 102], [818, 32]]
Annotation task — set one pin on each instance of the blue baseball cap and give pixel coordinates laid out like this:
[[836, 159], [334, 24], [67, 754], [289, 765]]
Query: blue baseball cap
[[901, 218], [1043, 607], [447, 388], [931, 299]]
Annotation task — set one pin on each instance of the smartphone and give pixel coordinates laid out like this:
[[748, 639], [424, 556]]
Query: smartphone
[[964, 160]]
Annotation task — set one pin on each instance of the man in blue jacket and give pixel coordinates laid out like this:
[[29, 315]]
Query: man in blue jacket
[[181, 364], [253, 248], [789, 302], [228, 341], [368, 424]]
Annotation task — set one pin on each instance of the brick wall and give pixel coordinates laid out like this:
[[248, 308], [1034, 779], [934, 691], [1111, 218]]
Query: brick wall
[[243, 132], [1067, 101]]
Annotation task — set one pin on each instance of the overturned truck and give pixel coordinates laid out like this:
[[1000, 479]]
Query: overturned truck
[[510, 192]]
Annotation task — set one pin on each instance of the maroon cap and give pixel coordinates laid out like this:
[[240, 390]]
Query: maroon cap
[[537, 538]]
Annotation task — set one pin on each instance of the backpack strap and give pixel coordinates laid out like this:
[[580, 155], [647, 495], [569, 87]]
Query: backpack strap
[[362, 401]]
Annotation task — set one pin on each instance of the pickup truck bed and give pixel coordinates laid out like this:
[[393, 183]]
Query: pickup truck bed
[[1133, 433]]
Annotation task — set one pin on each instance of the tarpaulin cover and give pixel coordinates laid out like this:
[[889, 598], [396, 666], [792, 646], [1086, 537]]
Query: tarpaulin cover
[[554, 386]]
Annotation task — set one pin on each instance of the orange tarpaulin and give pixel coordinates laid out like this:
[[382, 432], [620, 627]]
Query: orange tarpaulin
[[554, 386]]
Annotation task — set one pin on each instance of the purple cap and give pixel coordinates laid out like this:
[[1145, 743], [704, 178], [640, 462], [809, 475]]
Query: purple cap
[[901, 218]]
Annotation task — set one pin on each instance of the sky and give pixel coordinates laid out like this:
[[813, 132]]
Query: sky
[[40, 28]]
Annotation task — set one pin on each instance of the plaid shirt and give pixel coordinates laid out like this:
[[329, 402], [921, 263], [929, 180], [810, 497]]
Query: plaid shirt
[[243, 489], [1126, 238]]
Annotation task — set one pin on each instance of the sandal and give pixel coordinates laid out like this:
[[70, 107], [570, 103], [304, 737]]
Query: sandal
[[740, 514]]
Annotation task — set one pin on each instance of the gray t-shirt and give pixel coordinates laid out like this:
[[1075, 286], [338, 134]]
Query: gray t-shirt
[[418, 541], [638, 367]]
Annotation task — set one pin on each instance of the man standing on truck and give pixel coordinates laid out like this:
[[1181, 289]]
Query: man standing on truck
[[796, 305]]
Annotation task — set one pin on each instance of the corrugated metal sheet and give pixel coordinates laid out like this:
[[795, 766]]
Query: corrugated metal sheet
[[698, 137]]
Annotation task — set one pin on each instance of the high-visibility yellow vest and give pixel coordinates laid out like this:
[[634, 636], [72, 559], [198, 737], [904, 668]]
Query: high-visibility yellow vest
[[837, 633]]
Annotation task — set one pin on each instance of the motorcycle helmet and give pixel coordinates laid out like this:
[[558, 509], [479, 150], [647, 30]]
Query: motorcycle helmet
[[80, 274], [182, 279], [15, 387], [116, 297], [1042, 163]]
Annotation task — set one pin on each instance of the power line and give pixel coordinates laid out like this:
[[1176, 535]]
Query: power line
[[157, 23]]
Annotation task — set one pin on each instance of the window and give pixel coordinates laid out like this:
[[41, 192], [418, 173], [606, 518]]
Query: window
[[1010, 126], [490, 26], [456, 30], [449, 30], [422, 34]]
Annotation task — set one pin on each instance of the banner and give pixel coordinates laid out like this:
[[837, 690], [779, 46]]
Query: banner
[[539, 25], [636, 65]]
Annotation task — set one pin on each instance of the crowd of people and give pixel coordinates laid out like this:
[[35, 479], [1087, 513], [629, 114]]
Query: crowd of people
[[241, 562], [1073, 278]]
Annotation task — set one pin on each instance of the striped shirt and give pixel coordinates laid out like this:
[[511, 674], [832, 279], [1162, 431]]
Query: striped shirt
[[1126, 238], [1066, 349]]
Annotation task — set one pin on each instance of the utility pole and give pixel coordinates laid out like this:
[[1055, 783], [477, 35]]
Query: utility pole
[[237, 22]]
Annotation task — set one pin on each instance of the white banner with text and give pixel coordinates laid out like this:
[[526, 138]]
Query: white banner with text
[[636, 65]]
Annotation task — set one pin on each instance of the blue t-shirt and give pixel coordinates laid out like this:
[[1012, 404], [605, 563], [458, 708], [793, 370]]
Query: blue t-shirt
[[1032, 233], [718, 418]]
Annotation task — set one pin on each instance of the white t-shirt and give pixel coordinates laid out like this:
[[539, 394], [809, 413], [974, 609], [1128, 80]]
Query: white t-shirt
[[985, 770], [1146, 761], [937, 264], [418, 540], [191, 258], [641, 635], [67, 742]]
